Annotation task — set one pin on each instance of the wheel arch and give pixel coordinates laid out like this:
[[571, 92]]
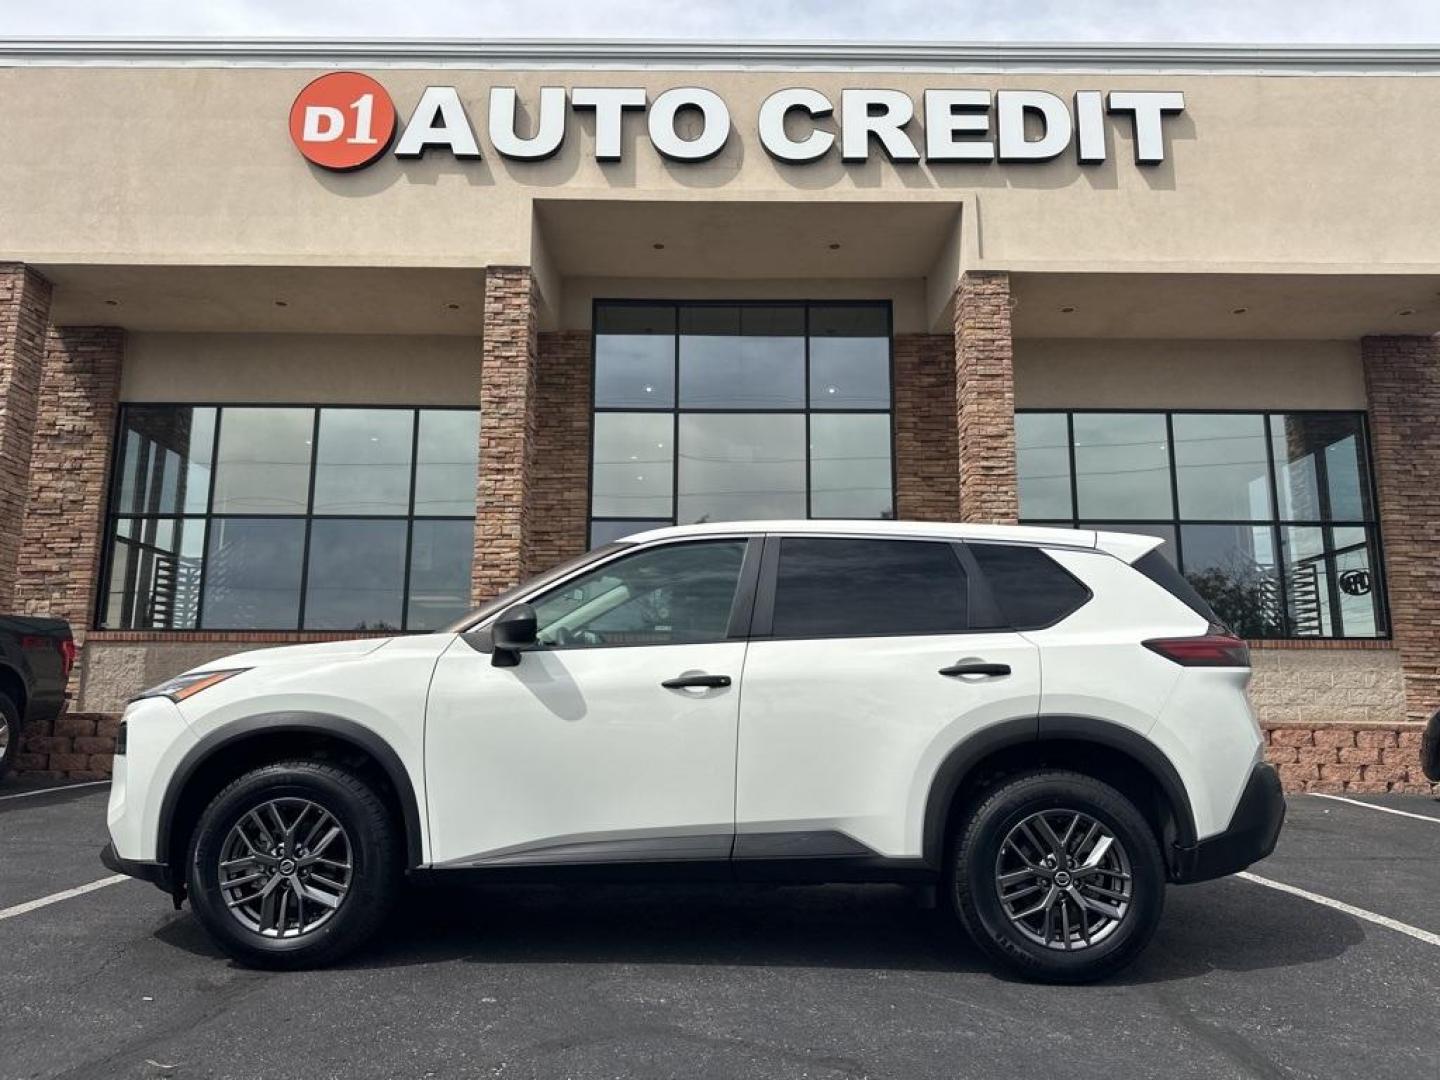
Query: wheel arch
[[243, 744], [1086, 744]]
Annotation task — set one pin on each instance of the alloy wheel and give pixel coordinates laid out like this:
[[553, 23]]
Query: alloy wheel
[[1064, 879], [285, 868]]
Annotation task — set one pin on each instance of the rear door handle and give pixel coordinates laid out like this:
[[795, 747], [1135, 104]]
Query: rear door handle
[[691, 682], [975, 667]]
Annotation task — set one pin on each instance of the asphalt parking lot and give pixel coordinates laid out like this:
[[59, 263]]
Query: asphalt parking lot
[[1243, 980]]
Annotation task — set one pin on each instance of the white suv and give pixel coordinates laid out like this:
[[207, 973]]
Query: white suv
[[1047, 723]]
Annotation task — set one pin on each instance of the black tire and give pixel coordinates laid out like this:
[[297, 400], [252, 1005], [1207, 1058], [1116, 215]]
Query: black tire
[[9, 733], [975, 867], [375, 857]]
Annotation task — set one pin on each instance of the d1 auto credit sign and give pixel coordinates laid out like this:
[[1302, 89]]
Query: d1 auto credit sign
[[346, 120], [343, 120]]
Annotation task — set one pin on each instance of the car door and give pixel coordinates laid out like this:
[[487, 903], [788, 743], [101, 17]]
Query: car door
[[614, 738], [863, 672]]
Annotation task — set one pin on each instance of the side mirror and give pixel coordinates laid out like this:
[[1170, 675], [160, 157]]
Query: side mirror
[[513, 631]]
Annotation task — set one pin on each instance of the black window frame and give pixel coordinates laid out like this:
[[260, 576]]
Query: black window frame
[[1274, 523], [675, 409], [113, 515]]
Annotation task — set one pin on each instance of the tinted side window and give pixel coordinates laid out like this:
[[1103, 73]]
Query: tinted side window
[[1031, 589], [828, 587], [1158, 569], [675, 595]]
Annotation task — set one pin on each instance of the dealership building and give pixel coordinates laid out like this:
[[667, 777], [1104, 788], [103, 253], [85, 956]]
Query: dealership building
[[302, 340]]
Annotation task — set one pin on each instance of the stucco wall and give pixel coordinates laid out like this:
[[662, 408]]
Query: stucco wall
[[197, 166], [302, 368], [1088, 373]]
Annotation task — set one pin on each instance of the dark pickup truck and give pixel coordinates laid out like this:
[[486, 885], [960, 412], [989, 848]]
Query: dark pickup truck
[[35, 660]]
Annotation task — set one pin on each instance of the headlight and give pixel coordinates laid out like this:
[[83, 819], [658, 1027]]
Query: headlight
[[184, 686]]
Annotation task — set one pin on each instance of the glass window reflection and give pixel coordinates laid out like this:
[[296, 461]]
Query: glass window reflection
[[1222, 467], [850, 466], [357, 575], [264, 461], [362, 464], [741, 466], [1122, 466], [1042, 460]]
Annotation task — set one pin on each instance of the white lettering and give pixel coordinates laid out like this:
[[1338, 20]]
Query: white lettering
[[439, 120], [775, 139], [609, 104], [882, 113], [1089, 127], [1012, 106], [951, 113], [1149, 108], [333, 119], [364, 107], [549, 128], [714, 126]]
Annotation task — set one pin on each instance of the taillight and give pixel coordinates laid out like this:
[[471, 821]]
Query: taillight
[[1206, 650], [67, 656]]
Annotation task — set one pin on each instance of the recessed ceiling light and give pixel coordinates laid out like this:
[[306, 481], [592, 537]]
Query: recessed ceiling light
[[1239, 310], [1067, 310], [453, 307], [112, 303], [834, 247], [658, 247], [1406, 311], [282, 303]]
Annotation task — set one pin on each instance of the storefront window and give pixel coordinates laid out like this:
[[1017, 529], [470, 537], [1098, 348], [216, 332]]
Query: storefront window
[[724, 412], [285, 518], [1269, 515]]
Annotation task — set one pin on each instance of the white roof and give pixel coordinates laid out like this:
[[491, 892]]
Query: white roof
[[1127, 546]]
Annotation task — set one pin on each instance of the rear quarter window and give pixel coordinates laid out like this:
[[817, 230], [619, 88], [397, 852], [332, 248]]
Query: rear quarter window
[[1030, 589], [1160, 570]]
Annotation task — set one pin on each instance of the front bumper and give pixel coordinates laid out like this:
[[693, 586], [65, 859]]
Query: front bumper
[[1251, 835], [1430, 749], [157, 874]]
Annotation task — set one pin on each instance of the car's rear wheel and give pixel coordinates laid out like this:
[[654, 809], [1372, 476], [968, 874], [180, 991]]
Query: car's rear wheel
[[9, 733], [294, 864], [1058, 876]]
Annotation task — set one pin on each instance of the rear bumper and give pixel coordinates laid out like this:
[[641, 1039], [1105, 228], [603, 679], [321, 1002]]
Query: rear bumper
[[1251, 835], [157, 874], [1430, 749]]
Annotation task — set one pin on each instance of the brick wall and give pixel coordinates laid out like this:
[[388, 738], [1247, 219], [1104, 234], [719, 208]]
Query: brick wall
[[985, 399], [508, 431], [560, 480], [74, 746], [1327, 686], [927, 477], [60, 548], [1355, 758], [1402, 381], [24, 313]]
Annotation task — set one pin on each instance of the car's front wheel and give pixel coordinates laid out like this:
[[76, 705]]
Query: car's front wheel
[[1058, 876], [9, 733], [294, 864]]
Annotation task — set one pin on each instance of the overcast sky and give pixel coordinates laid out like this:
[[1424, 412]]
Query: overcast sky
[[1330, 21]]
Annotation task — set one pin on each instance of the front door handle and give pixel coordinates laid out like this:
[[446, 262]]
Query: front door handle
[[975, 667], [693, 682]]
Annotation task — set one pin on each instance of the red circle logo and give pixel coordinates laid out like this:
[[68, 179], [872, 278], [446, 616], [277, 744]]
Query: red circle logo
[[343, 120]]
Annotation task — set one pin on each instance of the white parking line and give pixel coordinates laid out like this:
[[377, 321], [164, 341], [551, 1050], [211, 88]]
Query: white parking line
[[48, 790], [55, 898], [1349, 909], [1372, 806]]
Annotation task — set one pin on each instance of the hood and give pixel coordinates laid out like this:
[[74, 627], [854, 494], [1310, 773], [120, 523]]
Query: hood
[[317, 652]]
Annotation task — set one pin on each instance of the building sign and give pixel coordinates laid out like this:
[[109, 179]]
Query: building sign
[[345, 120]]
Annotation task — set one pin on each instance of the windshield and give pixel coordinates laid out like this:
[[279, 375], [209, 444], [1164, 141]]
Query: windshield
[[555, 573]]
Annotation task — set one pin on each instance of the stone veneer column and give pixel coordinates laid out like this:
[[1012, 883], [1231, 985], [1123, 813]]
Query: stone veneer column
[[1402, 382], [985, 399], [24, 315], [508, 432], [61, 541], [560, 480], [926, 470]]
